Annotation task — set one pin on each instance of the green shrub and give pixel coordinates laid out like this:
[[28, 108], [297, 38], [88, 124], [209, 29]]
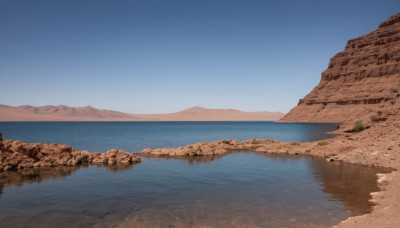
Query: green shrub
[[322, 143], [359, 126]]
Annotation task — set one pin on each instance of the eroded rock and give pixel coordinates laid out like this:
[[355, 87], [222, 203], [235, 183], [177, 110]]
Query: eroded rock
[[360, 80], [16, 155]]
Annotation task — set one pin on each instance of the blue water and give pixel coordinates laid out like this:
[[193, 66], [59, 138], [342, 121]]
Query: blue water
[[241, 189], [135, 136]]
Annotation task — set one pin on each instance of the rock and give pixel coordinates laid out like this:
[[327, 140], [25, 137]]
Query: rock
[[19, 155], [261, 149], [98, 158], [1, 142], [220, 148], [378, 118], [361, 79], [83, 158], [220, 151], [114, 157], [205, 150], [147, 150]]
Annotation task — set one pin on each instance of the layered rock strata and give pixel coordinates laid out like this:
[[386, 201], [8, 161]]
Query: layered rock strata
[[358, 80], [16, 155]]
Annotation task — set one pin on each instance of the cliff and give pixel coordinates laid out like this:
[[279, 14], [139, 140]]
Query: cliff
[[359, 81]]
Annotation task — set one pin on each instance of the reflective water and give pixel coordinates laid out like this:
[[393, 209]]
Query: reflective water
[[242, 189], [135, 136]]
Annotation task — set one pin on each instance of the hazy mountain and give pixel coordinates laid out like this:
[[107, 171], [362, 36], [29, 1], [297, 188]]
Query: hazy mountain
[[88, 113]]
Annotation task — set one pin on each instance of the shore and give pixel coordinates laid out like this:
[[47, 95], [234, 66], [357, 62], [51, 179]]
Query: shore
[[377, 145]]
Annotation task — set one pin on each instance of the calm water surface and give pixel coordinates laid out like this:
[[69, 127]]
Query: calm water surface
[[242, 189], [135, 136]]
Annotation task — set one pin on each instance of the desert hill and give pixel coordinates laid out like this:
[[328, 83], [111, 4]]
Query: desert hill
[[88, 113], [203, 114]]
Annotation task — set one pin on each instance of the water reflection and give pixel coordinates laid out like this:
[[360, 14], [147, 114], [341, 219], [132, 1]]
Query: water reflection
[[29, 176], [350, 184], [193, 160], [240, 189], [117, 168]]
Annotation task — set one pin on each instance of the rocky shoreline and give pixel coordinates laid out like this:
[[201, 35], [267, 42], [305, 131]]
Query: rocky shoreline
[[360, 87], [377, 145], [15, 155]]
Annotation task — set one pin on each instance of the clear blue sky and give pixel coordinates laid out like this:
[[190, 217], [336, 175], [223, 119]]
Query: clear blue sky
[[156, 56]]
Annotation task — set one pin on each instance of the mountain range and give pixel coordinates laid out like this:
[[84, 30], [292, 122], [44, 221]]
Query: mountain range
[[88, 113]]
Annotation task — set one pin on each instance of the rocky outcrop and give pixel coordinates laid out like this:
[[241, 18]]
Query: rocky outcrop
[[223, 147], [16, 155], [113, 157], [207, 148], [376, 146], [359, 80]]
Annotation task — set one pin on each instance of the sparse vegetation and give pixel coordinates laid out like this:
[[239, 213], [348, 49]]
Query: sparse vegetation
[[359, 126], [392, 102], [295, 143], [322, 143]]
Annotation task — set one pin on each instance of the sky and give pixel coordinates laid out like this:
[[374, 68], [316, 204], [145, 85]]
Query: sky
[[162, 56]]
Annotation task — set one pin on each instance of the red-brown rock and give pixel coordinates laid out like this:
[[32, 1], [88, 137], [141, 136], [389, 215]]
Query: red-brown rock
[[359, 80], [19, 155]]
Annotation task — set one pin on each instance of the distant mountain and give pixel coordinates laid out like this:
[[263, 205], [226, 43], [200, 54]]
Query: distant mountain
[[203, 114], [60, 113], [88, 113]]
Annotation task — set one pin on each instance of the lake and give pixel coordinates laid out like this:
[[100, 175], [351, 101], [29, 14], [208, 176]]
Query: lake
[[241, 189], [135, 136]]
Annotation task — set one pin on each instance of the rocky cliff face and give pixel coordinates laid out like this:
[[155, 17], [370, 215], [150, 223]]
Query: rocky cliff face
[[360, 80]]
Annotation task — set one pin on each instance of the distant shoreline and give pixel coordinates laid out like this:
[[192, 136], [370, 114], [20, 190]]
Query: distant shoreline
[[65, 113]]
